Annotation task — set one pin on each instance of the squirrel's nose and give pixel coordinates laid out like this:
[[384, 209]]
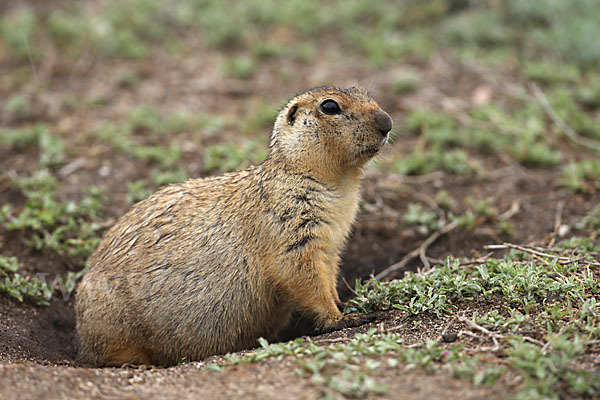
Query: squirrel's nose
[[383, 122]]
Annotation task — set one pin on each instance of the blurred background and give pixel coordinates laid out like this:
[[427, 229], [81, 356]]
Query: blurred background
[[496, 104]]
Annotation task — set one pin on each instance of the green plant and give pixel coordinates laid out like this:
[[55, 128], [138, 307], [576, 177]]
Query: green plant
[[141, 189], [482, 208], [137, 191], [591, 221], [231, 157], [351, 369], [492, 130], [474, 370], [260, 115], [70, 29], [579, 243], [407, 82], [476, 27], [130, 28], [564, 27], [240, 67], [438, 291], [167, 177], [128, 79], [120, 136], [339, 367], [545, 372], [580, 176], [264, 49], [531, 153], [549, 72], [66, 229], [444, 200], [588, 93], [424, 221], [505, 228], [348, 368], [17, 106], [433, 293], [20, 287], [455, 162], [518, 290], [145, 119], [564, 102], [18, 30], [52, 149]]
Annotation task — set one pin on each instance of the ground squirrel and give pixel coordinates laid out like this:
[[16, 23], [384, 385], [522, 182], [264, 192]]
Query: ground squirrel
[[210, 265]]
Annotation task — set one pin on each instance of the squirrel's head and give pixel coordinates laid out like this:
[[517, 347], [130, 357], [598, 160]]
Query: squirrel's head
[[330, 130]]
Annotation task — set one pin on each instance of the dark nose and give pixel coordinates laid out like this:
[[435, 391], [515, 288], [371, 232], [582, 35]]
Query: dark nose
[[383, 122]]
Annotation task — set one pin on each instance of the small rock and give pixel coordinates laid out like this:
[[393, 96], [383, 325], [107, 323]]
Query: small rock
[[563, 230], [104, 170], [449, 337]]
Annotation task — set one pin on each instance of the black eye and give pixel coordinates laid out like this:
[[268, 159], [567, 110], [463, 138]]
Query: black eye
[[330, 107]]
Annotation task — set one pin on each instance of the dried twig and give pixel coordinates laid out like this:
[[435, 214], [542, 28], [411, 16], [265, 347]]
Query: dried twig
[[558, 121], [539, 252], [492, 335], [394, 329], [333, 340], [350, 288], [445, 330], [559, 250], [477, 261], [414, 345], [583, 302], [474, 325], [534, 341], [470, 334], [557, 221], [480, 349], [419, 251], [545, 347], [515, 207], [515, 166], [71, 167]]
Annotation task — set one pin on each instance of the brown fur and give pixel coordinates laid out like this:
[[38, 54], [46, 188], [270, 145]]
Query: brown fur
[[208, 266]]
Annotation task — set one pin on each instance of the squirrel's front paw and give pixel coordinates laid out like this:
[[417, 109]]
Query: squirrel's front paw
[[352, 320], [342, 305], [349, 321]]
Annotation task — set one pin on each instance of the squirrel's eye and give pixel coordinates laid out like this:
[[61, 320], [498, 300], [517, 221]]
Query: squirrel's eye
[[330, 107]]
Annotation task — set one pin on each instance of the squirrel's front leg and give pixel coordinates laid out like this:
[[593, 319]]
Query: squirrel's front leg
[[311, 289]]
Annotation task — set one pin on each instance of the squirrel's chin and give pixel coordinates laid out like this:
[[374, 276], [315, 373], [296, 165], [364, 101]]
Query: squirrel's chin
[[363, 155], [368, 151]]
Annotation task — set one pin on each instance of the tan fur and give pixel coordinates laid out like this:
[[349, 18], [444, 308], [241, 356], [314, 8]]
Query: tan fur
[[210, 265]]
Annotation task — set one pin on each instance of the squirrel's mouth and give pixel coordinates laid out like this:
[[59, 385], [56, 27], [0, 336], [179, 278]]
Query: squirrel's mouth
[[371, 149], [368, 151]]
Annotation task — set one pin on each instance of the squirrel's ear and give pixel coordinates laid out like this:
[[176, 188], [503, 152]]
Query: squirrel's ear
[[291, 115]]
